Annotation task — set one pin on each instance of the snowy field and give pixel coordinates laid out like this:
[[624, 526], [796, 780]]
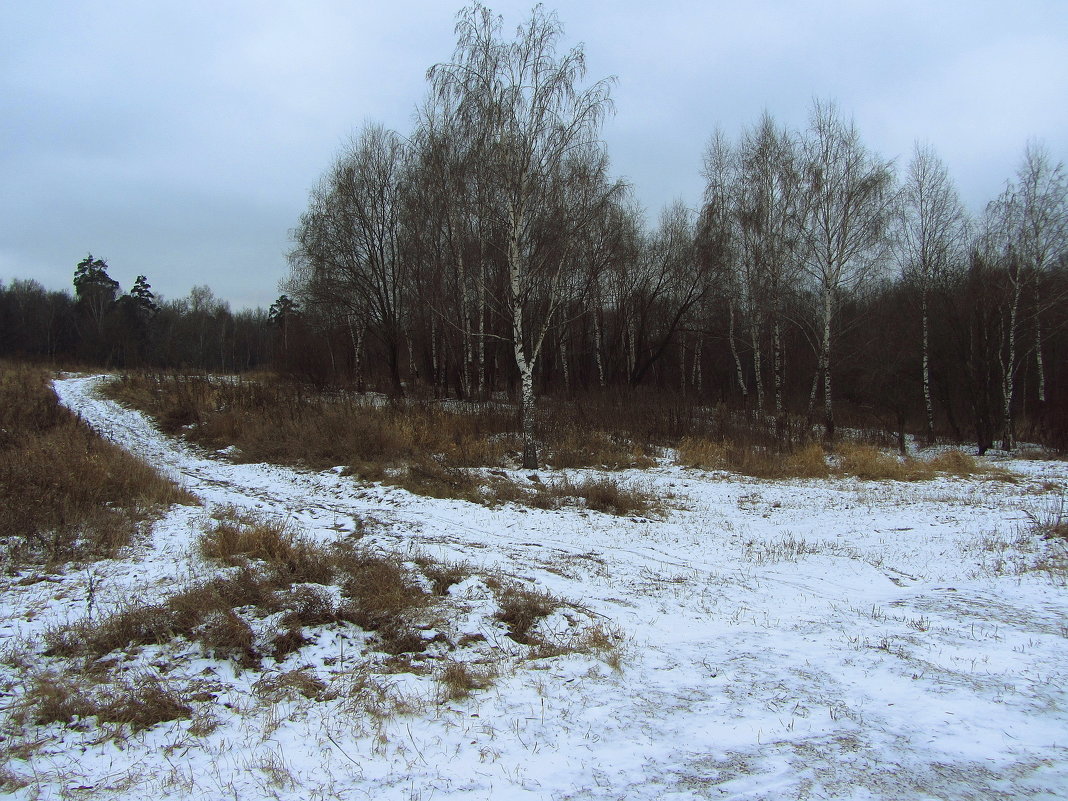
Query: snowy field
[[779, 640]]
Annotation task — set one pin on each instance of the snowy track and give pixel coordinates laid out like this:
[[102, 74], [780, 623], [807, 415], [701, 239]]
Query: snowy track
[[797, 639]]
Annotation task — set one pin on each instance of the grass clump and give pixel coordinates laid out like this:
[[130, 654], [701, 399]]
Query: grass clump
[[869, 462], [1050, 522], [606, 494], [238, 538], [521, 608], [458, 680], [571, 446], [275, 687], [279, 583], [804, 461], [138, 702], [859, 460], [68, 494]]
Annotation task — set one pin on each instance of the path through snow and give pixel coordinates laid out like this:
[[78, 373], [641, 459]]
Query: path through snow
[[790, 639]]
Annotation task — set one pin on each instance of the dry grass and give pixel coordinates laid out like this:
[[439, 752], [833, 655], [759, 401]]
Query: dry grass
[[868, 462], [240, 538], [458, 680], [811, 461], [275, 687], [289, 423], [598, 640], [805, 461], [521, 608], [138, 702], [274, 584], [570, 446], [607, 494], [69, 495], [279, 575], [1051, 521]]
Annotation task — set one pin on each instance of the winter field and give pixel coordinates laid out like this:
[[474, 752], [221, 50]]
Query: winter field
[[759, 639]]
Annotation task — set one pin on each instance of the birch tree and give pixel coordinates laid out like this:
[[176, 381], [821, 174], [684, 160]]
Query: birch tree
[[1041, 219], [770, 211], [541, 133], [931, 238], [718, 237], [848, 204]]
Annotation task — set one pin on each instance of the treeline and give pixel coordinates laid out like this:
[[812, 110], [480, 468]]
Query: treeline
[[490, 249], [102, 326]]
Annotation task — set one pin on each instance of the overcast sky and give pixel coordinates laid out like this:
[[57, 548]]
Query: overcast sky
[[181, 139]]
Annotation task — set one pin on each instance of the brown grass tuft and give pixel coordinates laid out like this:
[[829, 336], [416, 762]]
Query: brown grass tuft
[[954, 463], [606, 494], [759, 461], [870, 463], [809, 460], [239, 537], [571, 446], [521, 608], [140, 702], [459, 679], [279, 573], [277, 687]]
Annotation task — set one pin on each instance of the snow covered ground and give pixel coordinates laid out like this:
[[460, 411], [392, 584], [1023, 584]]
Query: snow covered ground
[[782, 639]]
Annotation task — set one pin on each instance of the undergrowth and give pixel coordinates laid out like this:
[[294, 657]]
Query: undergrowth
[[424, 447]]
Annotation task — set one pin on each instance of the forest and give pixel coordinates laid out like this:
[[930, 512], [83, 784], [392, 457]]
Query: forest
[[490, 253]]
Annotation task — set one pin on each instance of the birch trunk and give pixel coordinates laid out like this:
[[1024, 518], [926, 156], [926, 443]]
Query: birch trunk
[[682, 364], [524, 364], [696, 378], [598, 356], [828, 408], [758, 378], [1008, 371], [777, 367], [357, 352], [481, 325], [1039, 363], [928, 405], [734, 352], [565, 365]]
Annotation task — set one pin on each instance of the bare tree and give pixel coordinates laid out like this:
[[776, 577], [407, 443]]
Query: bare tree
[[718, 236], [541, 149], [347, 253], [849, 200], [770, 210], [931, 239], [670, 284], [1025, 231], [997, 247], [1041, 217]]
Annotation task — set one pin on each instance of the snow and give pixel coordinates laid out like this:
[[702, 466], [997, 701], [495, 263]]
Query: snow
[[782, 639]]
